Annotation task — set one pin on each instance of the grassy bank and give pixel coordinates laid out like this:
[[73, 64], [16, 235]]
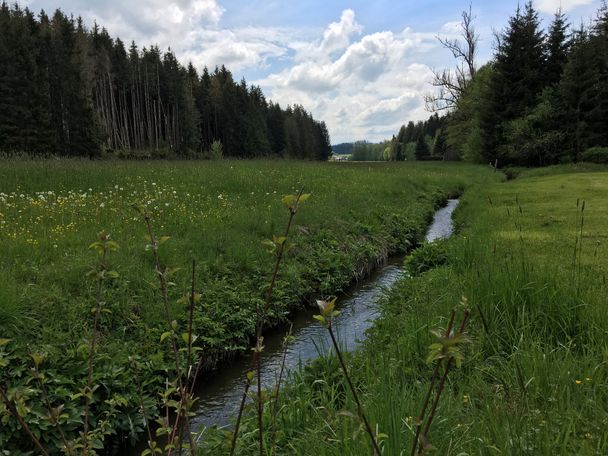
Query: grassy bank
[[215, 213], [530, 258]]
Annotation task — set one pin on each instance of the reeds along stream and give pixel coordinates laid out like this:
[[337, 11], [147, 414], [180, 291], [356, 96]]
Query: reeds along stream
[[220, 394]]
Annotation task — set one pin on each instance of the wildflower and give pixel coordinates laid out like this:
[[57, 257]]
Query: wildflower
[[578, 382]]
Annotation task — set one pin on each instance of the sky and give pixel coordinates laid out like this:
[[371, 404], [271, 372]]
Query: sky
[[363, 67]]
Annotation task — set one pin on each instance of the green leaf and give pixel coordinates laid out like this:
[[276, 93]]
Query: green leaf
[[161, 240], [319, 318], [164, 335], [304, 197], [280, 240], [112, 274], [37, 358], [112, 246], [288, 200], [4, 341], [171, 271]]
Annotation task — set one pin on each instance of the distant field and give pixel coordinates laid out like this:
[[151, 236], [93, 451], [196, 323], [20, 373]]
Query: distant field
[[216, 213]]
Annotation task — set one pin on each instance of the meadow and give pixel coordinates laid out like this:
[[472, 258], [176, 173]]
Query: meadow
[[215, 213], [530, 258]]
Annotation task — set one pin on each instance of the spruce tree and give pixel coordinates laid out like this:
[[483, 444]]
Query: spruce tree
[[557, 48], [422, 149], [517, 80]]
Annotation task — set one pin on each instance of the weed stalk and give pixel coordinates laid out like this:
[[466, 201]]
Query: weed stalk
[[328, 312], [277, 391], [427, 397], [53, 411], [163, 285], [278, 248], [13, 411], [448, 357]]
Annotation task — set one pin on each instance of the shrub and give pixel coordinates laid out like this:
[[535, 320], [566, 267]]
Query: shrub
[[426, 257], [595, 155], [216, 151], [511, 173]]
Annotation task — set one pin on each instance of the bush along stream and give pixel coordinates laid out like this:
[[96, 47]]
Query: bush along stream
[[102, 364]]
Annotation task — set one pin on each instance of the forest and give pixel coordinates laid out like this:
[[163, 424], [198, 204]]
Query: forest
[[542, 99], [69, 91]]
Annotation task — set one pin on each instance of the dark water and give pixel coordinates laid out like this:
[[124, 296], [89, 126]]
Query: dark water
[[220, 394]]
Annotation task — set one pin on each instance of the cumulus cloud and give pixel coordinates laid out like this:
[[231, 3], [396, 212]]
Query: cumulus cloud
[[367, 89], [191, 28], [551, 6]]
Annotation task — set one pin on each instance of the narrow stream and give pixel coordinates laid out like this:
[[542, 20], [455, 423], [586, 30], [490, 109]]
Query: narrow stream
[[220, 394]]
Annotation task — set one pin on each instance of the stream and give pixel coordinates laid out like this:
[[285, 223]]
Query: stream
[[219, 395], [220, 392]]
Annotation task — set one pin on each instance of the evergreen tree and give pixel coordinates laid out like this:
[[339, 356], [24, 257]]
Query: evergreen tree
[[557, 48], [422, 149], [440, 146], [517, 80]]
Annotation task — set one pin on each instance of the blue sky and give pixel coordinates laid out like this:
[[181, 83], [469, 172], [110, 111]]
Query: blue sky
[[362, 66]]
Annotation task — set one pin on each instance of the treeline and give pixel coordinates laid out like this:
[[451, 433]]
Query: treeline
[[542, 99], [71, 91], [343, 148], [423, 140]]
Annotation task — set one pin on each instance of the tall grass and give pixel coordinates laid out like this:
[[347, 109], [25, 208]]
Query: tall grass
[[215, 213], [534, 380]]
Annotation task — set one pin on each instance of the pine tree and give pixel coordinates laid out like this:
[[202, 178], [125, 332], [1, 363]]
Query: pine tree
[[517, 80], [422, 149], [440, 146], [557, 48]]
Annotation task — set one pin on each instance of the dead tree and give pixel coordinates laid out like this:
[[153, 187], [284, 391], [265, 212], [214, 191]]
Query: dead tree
[[451, 83]]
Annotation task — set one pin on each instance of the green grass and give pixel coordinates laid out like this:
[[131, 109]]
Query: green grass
[[216, 213], [534, 383]]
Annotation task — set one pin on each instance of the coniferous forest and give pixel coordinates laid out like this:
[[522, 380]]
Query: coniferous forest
[[542, 99], [66, 90]]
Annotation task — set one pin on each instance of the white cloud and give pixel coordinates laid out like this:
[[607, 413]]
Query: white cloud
[[336, 38], [452, 27], [367, 90], [551, 6], [237, 49]]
